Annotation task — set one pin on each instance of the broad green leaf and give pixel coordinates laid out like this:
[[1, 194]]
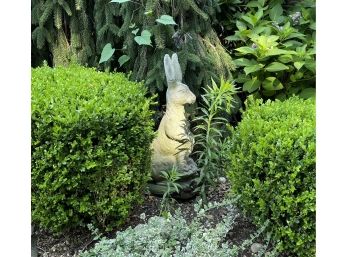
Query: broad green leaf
[[253, 68], [251, 85], [254, 4], [258, 29], [312, 26], [244, 62], [296, 35], [135, 31], [275, 12], [310, 65], [242, 78], [259, 14], [249, 20], [265, 42], [298, 65], [291, 43], [119, 1], [276, 66], [107, 52], [123, 59], [232, 38], [144, 39], [285, 58], [246, 50], [277, 51], [271, 84], [240, 25], [307, 93], [166, 20]]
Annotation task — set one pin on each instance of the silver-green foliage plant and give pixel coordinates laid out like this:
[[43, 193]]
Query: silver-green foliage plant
[[174, 236], [274, 49], [217, 101]]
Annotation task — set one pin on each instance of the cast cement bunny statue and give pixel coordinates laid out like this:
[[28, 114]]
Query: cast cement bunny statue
[[174, 142]]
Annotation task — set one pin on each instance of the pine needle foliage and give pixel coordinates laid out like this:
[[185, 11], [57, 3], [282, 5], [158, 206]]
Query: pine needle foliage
[[77, 30], [200, 52], [65, 27]]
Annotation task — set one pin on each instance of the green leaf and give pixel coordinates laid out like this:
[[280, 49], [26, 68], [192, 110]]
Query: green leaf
[[166, 20], [275, 12], [272, 84], [307, 93], [251, 85], [285, 58], [232, 38], [107, 52], [298, 65], [144, 39], [276, 51], [310, 65], [244, 62], [276, 66], [119, 1], [249, 20], [253, 68], [135, 31], [254, 4], [123, 59], [240, 25], [246, 50], [259, 14]]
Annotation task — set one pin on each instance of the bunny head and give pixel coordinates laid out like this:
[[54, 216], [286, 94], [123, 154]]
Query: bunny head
[[178, 93]]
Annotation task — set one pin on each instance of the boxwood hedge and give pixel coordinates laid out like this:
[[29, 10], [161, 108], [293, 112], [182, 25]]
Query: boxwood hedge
[[91, 135], [272, 168]]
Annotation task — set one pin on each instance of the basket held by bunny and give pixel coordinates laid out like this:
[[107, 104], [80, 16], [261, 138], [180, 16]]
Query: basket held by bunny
[[174, 142]]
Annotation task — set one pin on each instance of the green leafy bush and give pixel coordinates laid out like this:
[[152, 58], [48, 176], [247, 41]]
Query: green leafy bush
[[275, 48], [174, 236], [272, 167], [91, 133]]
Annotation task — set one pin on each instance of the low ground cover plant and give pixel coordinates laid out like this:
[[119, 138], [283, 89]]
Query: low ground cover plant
[[174, 236], [91, 133], [272, 168]]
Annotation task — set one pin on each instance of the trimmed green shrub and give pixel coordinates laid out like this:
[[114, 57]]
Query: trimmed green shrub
[[91, 135], [272, 167]]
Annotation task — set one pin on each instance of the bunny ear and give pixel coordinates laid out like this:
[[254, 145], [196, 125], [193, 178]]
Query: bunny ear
[[168, 68], [177, 68]]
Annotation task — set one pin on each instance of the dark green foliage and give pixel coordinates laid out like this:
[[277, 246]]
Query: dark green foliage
[[91, 135], [77, 30], [200, 52], [274, 43], [272, 167], [65, 26]]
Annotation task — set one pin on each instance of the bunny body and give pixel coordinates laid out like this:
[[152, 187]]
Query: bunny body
[[174, 142]]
